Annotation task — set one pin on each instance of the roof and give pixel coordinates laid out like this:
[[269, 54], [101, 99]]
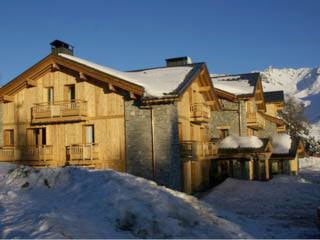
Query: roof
[[273, 96], [157, 82], [239, 84]]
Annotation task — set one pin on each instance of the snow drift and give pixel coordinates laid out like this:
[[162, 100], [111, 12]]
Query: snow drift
[[79, 203], [240, 142], [281, 143]]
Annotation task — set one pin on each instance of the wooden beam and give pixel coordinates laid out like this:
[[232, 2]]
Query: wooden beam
[[210, 103], [55, 67], [204, 89], [7, 98], [31, 83], [132, 96], [111, 87], [82, 76]]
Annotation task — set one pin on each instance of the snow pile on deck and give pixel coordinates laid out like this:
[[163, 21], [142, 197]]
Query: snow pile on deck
[[233, 85], [157, 82], [281, 143], [78, 203], [232, 142]]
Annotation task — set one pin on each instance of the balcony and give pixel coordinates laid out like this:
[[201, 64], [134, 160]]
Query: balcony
[[199, 113], [63, 111], [8, 154], [255, 120], [83, 154], [41, 153], [194, 150]]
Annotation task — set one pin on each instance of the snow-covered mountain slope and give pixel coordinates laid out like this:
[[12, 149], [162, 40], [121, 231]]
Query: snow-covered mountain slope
[[302, 83], [80, 203]]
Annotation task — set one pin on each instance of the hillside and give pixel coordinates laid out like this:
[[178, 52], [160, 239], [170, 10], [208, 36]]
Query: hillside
[[302, 83]]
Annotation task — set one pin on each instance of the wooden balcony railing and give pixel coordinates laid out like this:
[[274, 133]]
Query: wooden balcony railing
[[255, 120], [59, 111], [82, 154], [36, 153], [194, 150], [8, 154], [199, 112]]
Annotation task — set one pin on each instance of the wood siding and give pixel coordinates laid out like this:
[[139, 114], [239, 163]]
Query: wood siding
[[105, 110]]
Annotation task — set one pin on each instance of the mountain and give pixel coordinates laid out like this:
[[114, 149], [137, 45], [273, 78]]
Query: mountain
[[301, 83]]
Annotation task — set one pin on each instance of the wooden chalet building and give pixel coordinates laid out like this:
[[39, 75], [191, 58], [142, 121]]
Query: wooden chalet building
[[153, 123], [164, 124]]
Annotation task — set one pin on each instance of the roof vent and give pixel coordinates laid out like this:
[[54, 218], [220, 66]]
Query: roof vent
[[58, 46], [179, 61]]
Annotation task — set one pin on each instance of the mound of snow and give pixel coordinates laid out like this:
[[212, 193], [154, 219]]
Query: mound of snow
[[281, 143], [79, 203], [241, 142]]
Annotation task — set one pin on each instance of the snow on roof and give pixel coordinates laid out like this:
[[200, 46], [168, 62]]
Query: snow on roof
[[236, 84], [232, 142], [157, 82], [281, 143]]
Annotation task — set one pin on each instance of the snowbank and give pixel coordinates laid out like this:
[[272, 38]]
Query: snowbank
[[281, 143], [309, 161], [241, 142], [284, 207], [78, 203]]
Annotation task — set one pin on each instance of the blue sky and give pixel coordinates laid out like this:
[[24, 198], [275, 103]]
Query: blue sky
[[231, 36]]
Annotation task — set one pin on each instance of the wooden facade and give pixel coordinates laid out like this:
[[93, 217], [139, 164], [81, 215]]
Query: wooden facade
[[59, 118], [63, 113], [197, 150]]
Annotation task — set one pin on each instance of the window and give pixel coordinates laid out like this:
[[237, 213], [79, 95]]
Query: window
[[36, 136], [88, 134], [50, 95], [223, 132], [9, 137], [70, 93]]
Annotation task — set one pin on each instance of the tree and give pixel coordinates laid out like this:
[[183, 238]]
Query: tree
[[293, 115]]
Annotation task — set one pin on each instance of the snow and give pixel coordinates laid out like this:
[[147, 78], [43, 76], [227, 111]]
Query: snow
[[303, 84], [80, 203], [281, 143], [157, 82], [284, 207], [233, 84], [232, 142]]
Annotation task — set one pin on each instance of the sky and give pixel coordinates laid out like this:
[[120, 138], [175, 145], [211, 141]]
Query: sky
[[231, 36]]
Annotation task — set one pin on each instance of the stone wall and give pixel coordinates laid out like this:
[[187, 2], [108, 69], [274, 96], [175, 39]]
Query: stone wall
[[269, 130], [229, 117], [167, 161]]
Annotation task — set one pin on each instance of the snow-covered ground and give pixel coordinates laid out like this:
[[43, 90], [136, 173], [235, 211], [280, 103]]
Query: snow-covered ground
[[284, 207], [78, 203]]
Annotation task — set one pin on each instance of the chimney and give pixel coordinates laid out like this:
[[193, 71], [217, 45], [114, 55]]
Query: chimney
[[58, 46], [179, 61]]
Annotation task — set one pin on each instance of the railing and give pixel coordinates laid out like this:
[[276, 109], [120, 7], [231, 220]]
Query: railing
[[8, 154], [255, 119], [199, 111], [194, 150], [82, 152], [37, 153], [59, 109]]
